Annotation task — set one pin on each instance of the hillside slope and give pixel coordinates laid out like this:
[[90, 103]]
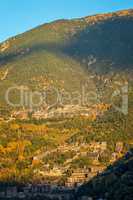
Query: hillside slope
[[64, 53], [74, 140]]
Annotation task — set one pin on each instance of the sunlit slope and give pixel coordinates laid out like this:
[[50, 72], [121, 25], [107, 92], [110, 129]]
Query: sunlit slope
[[64, 53]]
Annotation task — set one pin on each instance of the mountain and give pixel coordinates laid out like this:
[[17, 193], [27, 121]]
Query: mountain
[[82, 71], [65, 53]]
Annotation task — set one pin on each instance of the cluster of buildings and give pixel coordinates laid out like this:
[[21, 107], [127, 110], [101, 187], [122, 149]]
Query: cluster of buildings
[[46, 192], [61, 111], [64, 111], [49, 192], [80, 176]]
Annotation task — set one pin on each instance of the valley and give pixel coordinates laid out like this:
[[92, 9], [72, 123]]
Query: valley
[[66, 110]]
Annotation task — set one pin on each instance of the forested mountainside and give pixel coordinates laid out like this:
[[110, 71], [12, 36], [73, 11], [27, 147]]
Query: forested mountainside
[[69, 142], [66, 53]]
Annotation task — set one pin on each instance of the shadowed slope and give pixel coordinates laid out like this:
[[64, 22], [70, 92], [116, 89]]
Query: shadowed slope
[[116, 182]]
